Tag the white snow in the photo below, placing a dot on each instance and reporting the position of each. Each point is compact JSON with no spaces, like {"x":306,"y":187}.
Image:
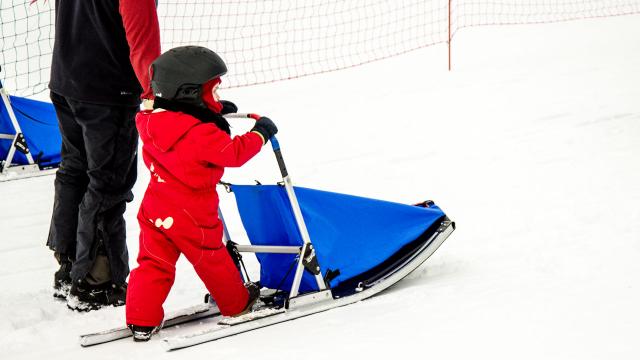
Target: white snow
{"x":530,"y":144}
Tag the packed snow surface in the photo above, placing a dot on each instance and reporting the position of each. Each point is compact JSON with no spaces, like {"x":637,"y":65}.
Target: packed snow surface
{"x":531,"y":144}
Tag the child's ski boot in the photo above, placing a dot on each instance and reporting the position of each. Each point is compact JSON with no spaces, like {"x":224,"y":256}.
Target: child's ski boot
{"x":254,"y":295}
{"x":142,"y":333}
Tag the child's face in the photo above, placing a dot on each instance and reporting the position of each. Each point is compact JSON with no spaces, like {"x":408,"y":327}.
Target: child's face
{"x":214,"y":92}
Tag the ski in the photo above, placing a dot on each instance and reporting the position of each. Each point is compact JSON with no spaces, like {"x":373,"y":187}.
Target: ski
{"x":254,"y":315}
{"x":176,"y":318}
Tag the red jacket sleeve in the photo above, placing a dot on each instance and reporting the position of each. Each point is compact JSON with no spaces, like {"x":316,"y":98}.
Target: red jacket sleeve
{"x":216,"y":147}
{"x":141,"y":26}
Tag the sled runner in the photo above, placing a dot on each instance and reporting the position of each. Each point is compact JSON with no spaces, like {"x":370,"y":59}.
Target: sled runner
{"x":320,"y":250}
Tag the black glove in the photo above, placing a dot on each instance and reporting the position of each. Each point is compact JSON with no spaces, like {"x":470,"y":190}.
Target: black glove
{"x":228,"y":107}
{"x":266,"y":128}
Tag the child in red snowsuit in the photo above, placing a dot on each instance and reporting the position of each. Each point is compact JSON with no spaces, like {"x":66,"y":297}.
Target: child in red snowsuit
{"x":186,"y":148}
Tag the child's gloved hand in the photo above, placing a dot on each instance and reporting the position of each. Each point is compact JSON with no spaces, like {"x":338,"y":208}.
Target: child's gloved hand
{"x":228,"y":107}
{"x":265,"y":128}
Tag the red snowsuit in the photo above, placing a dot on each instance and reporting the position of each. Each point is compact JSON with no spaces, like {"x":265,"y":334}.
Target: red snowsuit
{"x":179,"y":212}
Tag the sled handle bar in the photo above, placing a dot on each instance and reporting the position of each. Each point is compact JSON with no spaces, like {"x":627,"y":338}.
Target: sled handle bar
{"x":256,"y":117}
{"x":274,"y":141}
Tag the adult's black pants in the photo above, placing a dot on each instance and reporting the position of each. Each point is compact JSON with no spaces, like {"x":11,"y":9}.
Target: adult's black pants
{"x":93,"y":185}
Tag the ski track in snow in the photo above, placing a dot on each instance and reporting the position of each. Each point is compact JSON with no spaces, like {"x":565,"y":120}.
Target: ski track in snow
{"x":530,"y":145}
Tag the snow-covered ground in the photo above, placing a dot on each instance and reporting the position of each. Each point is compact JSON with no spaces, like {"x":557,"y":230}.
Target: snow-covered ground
{"x":531,"y":144}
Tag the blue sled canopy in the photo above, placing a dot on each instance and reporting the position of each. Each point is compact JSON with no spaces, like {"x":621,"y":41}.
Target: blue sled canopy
{"x":39,"y":125}
{"x":349,"y":233}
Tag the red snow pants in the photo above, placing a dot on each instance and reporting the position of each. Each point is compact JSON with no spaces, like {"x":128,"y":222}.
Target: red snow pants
{"x":165,"y":233}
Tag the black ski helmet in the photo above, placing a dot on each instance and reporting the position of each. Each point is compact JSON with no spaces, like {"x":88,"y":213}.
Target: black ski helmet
{"x":178,"y":74}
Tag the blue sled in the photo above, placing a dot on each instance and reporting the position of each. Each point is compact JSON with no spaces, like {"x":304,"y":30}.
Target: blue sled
{"x":38,"y":123}
{"x":357,"y":240}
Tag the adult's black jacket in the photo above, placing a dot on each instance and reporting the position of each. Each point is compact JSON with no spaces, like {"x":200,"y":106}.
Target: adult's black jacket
{"x":103,"y":48}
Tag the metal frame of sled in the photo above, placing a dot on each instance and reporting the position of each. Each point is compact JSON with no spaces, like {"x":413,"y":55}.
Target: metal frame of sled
{"x":306,"y":253}
{"x":9,"y":171}
{"x":315,"y":302}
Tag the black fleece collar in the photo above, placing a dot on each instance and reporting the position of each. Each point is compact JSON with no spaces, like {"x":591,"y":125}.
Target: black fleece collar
{"x":203,"y":114}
